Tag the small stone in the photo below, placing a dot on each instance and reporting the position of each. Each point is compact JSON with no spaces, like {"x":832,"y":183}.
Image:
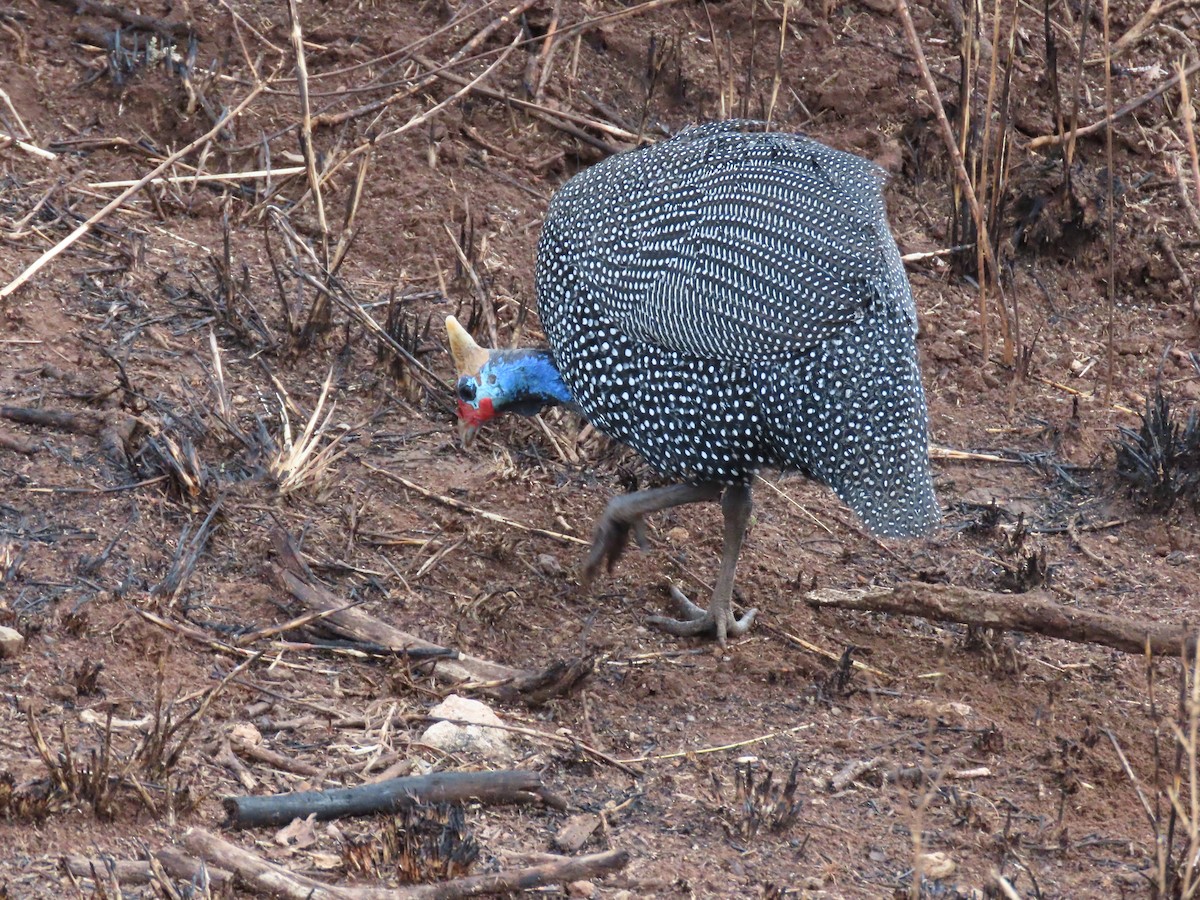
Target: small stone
{"x":478,"y":736}
{"x":949,"y":712}
{"x":575,"y":832}
{"x":246,"y":733}
{"x":936,"y":865}
{"x":581,"y":889}
{"x":678,"y":536}
{"x":11,"y":642}
{"x":548,"y":564}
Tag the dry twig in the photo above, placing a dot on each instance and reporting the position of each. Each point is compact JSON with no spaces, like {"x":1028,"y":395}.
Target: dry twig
{"x":1158,"y":9}
{"x":476,"y":511}
{"x":118,"y":201}
{"x":1053,"y":140}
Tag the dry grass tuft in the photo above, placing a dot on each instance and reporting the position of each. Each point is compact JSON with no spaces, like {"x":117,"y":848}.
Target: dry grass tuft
{"x":1161,"y":460}
{"x":298,"y":464}
{"x":420,"y":845}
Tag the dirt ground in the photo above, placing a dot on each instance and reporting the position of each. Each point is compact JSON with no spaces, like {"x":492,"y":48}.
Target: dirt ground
{"x":156,"y":374}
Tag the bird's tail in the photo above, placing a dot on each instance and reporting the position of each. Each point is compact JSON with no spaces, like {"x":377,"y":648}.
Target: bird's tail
{"x":856,"y":420}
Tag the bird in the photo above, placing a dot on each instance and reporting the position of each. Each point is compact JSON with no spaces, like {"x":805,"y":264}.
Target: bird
{"x":724,"y":301}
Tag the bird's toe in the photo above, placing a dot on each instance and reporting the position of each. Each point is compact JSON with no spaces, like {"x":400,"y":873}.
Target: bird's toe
{"x":717,"y":621}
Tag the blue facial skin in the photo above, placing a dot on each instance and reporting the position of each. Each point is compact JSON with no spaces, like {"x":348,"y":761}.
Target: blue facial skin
{"x":520,"y":381}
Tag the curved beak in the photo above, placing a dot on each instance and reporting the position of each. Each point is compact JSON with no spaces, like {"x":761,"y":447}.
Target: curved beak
{"x":466,"y":433}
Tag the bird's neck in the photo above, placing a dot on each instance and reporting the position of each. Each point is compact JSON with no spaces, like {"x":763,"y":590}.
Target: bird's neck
{"x":529,"y":380}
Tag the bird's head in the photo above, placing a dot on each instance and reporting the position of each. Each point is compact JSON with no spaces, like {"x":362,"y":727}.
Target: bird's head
{"x":474,"y":388}
{"x":490,"y":382}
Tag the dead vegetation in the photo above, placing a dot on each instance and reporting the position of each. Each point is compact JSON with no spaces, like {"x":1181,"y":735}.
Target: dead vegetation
{"x":1161,"y":460}
{"x":245,"y":554}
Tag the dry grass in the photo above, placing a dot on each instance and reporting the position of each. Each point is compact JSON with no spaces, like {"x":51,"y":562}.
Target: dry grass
{"x":305,"y":462}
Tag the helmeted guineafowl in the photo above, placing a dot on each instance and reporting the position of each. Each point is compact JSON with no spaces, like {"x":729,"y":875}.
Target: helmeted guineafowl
{"x":725,"y":301}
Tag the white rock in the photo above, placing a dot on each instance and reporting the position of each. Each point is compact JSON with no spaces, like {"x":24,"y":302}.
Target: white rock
{"x":11,"y":642}
{"x":477,"y":737}
{"x":936,"y":865}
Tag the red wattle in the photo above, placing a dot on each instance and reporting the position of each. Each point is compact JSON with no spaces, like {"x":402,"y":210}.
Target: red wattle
{"x":476,"y":417}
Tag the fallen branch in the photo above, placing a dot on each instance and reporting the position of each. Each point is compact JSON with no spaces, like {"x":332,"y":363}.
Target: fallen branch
{"x":563,"y":871}
{"x":1014,"y":612}
{"x":16,"y":445}
{"x":274,"y":879}
{"x":264,"y":876}
{"x":271,"y":758}
{"x":60,"y":420}
{"x":392,"y":795}
{"x":172,"y":31}
{"x":113,"y":428}
{"x":851,"y":772}
{"x":138,"y":871}
{"x":1053,"y":140}
{"x":465,"y":673}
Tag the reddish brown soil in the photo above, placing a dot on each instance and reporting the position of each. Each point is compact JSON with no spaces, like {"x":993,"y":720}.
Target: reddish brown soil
{"x":119,"y":326}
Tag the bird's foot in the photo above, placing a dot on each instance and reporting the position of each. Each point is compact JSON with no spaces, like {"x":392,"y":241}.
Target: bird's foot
{"x":609,"y":541}
{"x":718,"y":620}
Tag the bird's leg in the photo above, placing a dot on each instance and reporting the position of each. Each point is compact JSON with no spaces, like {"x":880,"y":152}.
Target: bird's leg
{"x":627,"y":513}
{"x":736,"y":504}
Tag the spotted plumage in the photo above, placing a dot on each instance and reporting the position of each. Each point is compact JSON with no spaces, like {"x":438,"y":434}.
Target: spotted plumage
{"x":725,"y":301}
{"x":730,"y":300}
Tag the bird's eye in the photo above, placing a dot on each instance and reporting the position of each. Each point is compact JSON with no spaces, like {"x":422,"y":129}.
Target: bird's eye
{"x":466,"y":389}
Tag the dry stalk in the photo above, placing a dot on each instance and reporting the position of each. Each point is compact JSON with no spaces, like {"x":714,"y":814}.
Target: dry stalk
{"x":306,"y":126}
{"x":1110,"y":288}
{"x":993,"y":165}
{"x":1187,"y":115}
{"x":25,"y":132}
{"x":349,"y":232}
{"x":210,"y":178}
{"x":224,"y":410}
{"x":1070,"y":138}
{"x":545,"y":59}
{"x":991,"y":273}
{"x":777,"y":76}
{"x":1184,"y":876}
{"x":486,"y":306}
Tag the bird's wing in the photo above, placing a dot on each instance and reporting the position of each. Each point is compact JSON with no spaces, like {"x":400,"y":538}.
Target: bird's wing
{"x":738,"y":246}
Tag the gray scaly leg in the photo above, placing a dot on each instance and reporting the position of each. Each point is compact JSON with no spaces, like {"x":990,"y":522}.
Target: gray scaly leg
{"x":736,"y":504}
{"x":627,"y":513}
